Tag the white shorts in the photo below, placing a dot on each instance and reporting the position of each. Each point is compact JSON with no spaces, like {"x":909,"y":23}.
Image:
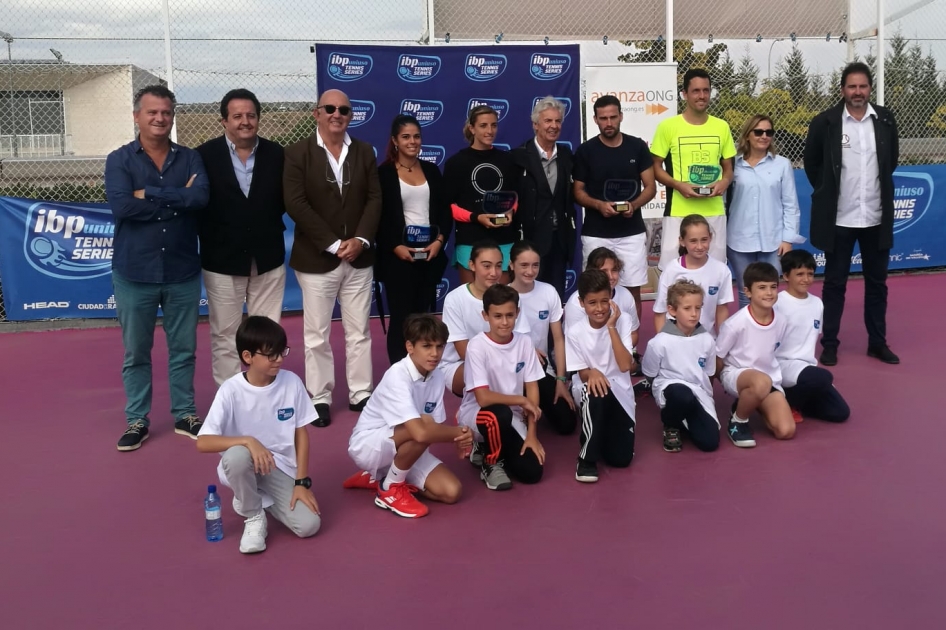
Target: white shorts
{"x":374,"y":451}
{"x":670,"y":239}
{"x":729,"y":376}
{"x":632,"y":250}
{"x":449,"y":371}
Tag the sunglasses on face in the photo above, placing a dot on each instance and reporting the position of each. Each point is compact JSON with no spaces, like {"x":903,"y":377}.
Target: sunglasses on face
{"x":758,"y":133}
{"x":344,"y":110}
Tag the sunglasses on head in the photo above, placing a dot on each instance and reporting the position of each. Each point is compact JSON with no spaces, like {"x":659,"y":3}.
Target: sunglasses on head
{"x":344,"y":110}
{"x":758,"y":132}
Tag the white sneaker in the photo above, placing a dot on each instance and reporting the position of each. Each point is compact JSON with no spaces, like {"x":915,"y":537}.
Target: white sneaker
{"x":254,"y":534}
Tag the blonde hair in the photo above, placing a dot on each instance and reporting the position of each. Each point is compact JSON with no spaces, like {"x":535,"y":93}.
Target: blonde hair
{"x":743,"y":146}
{"x":681,"y":288}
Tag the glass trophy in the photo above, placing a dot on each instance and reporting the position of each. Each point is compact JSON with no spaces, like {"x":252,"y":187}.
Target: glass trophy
{"x":620,"y":192}
{"x":496,"y":204}
{"x":703,"y":176}
{"x":417,"y":237}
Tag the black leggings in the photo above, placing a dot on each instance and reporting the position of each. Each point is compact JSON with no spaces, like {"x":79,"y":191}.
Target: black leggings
{"x":683,"y":405}
{"x":815,"y":396}
{"x":558,"y":415}
{"x":502,"y":443}
{"x":607,"y":432}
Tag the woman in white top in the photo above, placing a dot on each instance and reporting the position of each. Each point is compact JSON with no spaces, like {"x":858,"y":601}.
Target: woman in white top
{"x":541,"y":306}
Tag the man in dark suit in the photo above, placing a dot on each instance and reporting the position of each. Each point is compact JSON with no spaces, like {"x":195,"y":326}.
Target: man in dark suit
{"x":242,"y":251}
{"x":850,"y":156}
{"x":332,"y":193}
{"x":546,"y":208}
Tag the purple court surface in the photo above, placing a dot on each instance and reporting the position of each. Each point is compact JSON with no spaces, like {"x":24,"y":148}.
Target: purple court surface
{"x":842,"y":527}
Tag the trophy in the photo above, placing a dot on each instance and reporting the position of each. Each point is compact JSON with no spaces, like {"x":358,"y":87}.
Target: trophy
{"x":703,"y":176}
{"x":417,"y":237}
{"x":620,"y":192}
{"x":497,"y":203}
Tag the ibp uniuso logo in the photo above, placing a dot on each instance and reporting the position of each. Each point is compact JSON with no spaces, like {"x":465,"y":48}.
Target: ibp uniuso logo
{"x":433,"y":153}
{"x":502,"y":146}
{"x":426,"y":112}
{"x":548,"y":67}
{"x":417,"y":68}
{"x":443,"y":288}
{"x":500,"y":105}
{"x":361,"y":112}
{"x":564,"y":100}
{"x":484,"y":67}
{"x":349,"y":66}
{"x":62,"y":243}
{"x":912,"y":196}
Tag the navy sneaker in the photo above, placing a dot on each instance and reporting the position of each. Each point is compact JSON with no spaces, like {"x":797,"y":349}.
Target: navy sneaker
{"x":134,"y":435}
{"x":741,"y":434}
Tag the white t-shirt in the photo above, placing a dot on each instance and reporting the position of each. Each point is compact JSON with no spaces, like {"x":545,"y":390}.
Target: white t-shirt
{"x":744,"y":343}
{"x":416,"y":202}
{"x":540,"y":307}
{"x":714,"y":277}
{"x":802,"y":328}
{"x":463,"y":315}
{"x":673,"y":358}
{"x":590,"y":348}
{"x":621,"y":296}
{"x":403,"y":394}
{"x":503,"y":368}
{"x":271,"y":414}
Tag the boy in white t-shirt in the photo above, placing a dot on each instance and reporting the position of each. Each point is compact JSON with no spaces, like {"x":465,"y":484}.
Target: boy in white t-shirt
{"x":809,"y":389}
{"x":500,"y":365}
{"x":680,"y":359}
{"x":403,"y":417}
{"x":257,"y":421}
{"x":599,"y":350}
{"x":745,"y":351}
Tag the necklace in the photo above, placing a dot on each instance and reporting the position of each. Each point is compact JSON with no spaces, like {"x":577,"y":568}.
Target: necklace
{"x":410,"y":169}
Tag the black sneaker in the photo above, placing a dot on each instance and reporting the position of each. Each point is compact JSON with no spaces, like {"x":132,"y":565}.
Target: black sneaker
{"x":883,"y":353}
{"x":189,"y":425}
{"x":672,"y":441}
{"x":829,"y":357}
{"x":741,"y":434}
{"x":637,"y":365}
{"x":586,"y":472}
{"x":324,"y":415}
{"x":134,"y":435}
{"x":643,"y":389}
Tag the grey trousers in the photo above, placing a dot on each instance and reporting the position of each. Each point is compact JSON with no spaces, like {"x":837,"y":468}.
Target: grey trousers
{"x":247,"y":486}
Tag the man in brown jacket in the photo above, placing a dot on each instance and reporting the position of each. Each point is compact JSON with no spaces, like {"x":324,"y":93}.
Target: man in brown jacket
{"x":332,"y":193}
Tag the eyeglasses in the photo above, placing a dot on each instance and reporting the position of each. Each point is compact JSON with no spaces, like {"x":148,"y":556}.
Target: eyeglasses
{"x":330,"y":174}
{"x":344,"y":110}
{"x":758,"y":133}
{"x":274,"y":356}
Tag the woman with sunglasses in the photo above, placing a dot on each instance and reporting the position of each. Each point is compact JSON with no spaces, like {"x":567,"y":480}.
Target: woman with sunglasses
{"x":412,"y":194}
{"x":469,"y":175}
{"x":763,"y":211}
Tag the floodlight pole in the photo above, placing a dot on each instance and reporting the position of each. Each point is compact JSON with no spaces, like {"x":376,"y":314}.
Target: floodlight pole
{"x":430,"y":22}
{"x":168,"y":67}
{"x":880,"y":52}
{"x":669,"y":10}
{"x":9,"y":40}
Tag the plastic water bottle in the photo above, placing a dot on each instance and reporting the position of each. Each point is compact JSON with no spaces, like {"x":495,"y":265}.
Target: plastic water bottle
{"x":213,"y":515}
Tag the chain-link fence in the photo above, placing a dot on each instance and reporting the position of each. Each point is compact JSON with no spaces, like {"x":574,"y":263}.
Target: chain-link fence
{"x":69,"y":68}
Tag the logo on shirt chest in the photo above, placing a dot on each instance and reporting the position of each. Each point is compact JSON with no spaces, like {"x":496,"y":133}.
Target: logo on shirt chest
{"x":429,"y":407}
{"x":285,"y":414}
{"x":702,"y":362}
{"x":543,"y":314}
{"x":845,"y":141}
{"x":519,"y":366}
{"x":817,"y":324}
{"x":713,"y":290}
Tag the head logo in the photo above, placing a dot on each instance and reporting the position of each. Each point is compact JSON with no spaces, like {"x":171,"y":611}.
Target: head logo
{"x":62,"y":243}
{"x":433,"y":153}
{"x":519,"y":366}
{"x":426,"y":112}
{"x":285,"y":414}
{"x":485,"y":67}
{"x":348,"y":66}
{"x":713,"y":290}
{"x":429,"y":407}
{"x":571,"y":276}
{"x":817,"y":324}
{"x":564,"y":100}
{"x":417,"y":68}
{"x":702,"y":362}
{"x":443,"y":287}
{"x":361,"y":112}
{"x":543,"y":314}
{"x":912,"y":195}
{"x":500,"y":105}
{"x":548,"y":67}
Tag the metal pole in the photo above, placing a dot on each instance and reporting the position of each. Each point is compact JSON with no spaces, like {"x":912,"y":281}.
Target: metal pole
{"x":669,"y":9}
{"x":430,"y":22}
{"x":850,"y":29}
{"x":772,"y":45}
{"x":168,"y":68}
{"x":880,"y":52}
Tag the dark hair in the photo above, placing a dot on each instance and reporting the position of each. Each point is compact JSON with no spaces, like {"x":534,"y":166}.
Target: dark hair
{"x":759,"y":272}
{"x":154,"y":90}
{"x":258,"y":334}
{"x":239,"y":93}
{"x":481,"y":246}
{"x":680,"y":288}
{"x":599,"y":255}
{"x":857,"y":67}
{"x":499,"y":294}
{"x":424,"y":327}
{"x":695,"y":73}
{"x":591,"y":281}
{"x":518,"y":248}
{"x":471,"y":117}
{"x":689,"y":221}
{"x":400,"y":121}
{"x":605,"y":101}
{"x":796,"y":259}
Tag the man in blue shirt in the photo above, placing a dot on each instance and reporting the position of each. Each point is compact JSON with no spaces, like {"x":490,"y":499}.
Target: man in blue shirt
{"x":156,"y":189}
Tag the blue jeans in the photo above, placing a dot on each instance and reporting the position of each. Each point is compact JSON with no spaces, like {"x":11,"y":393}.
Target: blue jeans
{"x":137,"y":305}
{"x":740,"y":260}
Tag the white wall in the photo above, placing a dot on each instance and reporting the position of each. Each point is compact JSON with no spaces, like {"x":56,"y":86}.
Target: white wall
{"x":98,"y":114}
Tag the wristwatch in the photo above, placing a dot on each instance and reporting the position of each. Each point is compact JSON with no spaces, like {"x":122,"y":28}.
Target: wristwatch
{"x":305,"y":482}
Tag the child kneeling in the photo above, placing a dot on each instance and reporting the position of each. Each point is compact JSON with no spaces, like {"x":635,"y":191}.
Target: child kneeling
{"x":257,"y":420}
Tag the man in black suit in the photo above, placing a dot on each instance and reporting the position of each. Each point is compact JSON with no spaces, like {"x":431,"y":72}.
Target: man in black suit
{"x":546,"y":208}
{"x":242,"y":250}
{"x":851,"y":153}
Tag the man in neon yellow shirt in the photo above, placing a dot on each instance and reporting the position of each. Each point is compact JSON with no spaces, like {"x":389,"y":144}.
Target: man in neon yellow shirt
{"x":693,"y":154}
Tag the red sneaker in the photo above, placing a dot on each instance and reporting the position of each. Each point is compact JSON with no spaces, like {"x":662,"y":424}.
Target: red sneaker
{"x":361,"y":481}
{"x":797,"y":417}
{"x":400,"y":500}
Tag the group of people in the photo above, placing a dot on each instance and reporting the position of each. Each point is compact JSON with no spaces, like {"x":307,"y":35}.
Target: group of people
{"x":506,"y":344}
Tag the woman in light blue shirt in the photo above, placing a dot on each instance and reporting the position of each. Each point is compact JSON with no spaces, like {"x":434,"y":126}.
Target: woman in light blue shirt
{"x":763,"y":213}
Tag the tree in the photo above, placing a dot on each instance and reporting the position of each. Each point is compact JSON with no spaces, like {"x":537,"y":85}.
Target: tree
{"x":747,"y":75}
{"x":793,"y":75}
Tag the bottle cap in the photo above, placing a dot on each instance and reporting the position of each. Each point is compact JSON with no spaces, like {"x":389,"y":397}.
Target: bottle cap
{"x":211,"y":488}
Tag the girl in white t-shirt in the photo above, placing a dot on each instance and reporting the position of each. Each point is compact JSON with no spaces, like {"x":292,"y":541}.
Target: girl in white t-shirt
{"x":695,"y":264}
{"x":541,"y":306}
{"x":607,"y":261}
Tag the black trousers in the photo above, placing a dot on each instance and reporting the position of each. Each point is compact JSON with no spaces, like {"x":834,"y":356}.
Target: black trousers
{"x":838,"y":267}
{"x":553,"y":266}
{"x":816,"y":397}
{"x":607,"y":432}
{"x":502,"y":443}
{"x":682,"y":404}
{"x":558,"y":415}
{"x":409,"y":288}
